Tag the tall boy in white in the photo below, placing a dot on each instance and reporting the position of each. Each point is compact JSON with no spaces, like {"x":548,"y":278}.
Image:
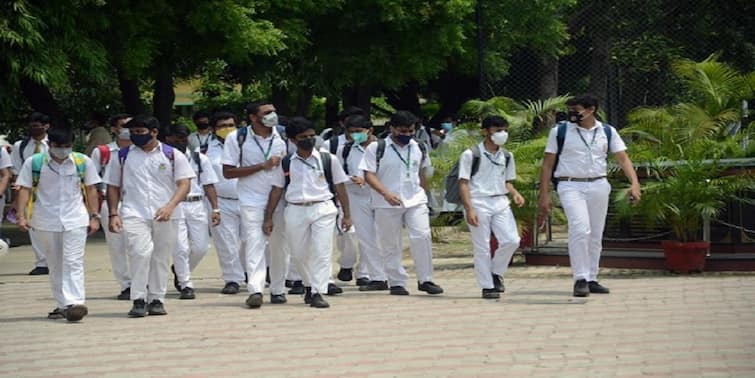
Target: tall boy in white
{"x":486,"y":206}
{"x":152,"y":179}
{"x":60,"y":215}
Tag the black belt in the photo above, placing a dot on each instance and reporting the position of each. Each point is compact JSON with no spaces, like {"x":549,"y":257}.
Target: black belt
{"x":228,"y":198}
{"x":581,"y":179}
{"x":194,"y":198}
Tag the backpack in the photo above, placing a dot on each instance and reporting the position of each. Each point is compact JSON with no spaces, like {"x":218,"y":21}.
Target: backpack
{"x":381,"y":151}
{"x":104,"y":156}
{"x":333,"y":144}
{"x":324,"y":159}
{"x":123,"y":154}
{"x":38,"y":160}
{"x":453,"y":195}
{"x":195,"y":156}
{"x":241,"y":138}
{"x":561,"y":137}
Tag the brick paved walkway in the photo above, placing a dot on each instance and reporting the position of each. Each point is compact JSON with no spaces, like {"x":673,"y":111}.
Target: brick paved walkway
{"x":653,"y":324}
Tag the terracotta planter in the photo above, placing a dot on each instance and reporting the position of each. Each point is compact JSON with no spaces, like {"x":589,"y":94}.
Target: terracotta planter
{"x":685,"y":257}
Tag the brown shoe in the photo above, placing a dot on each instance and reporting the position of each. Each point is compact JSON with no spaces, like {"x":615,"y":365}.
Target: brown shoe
{"x":76,"y":312}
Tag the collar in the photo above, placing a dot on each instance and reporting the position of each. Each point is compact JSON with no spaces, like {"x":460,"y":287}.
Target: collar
{"x":389,"y":141}
{"x":575,"y":126}
{"x":315,"y":155}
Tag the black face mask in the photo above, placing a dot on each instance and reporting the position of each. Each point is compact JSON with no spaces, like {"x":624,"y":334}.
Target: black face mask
{"x":574,"y":116}
{"x":306,"y":144}
{"x":203,"y":126}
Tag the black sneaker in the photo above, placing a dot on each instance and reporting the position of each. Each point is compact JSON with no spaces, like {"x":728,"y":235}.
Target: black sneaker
{"x":307,"y":295}
{"x":399,"y":290}
{"x":375,"y":286}
{"x":581,"y":289}
{"x":490,"y":294}
{"x":186,"y":293}
{"x":254,"y":300}
{"x":429,"y":287}
{"x":57,"y":313}
{"x":289,"y":283}
{"x":156,"y":308}
{"x":74,"y":313}
{"x":333,"y":289}
{"x":139,"y":309}
{"x":230,"y":288}
{"x":363,"y":281}
{"x":345,"y":274}
{"x":39,"y":271}
{"x":175,"y":278}
{"x":318,"y":301}
{"x":297,"y":288}
{"x":124,"y":295}
{"x":278,"y":298}
{"x":597,"y":288}
{"x":498,"y":283}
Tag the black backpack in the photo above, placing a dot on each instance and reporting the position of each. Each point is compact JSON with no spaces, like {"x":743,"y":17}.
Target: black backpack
{"x":453,"y":194}
{"x":324,"y":159}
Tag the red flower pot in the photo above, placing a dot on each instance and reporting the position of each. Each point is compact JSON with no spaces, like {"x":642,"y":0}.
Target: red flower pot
{"x":685,"y":257}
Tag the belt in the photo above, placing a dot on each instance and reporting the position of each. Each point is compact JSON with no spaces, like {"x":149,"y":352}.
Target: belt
{"x":581,"y":179}
{"x":194,"y":198}
{"x":228,"y":198}
{"x":305,"y":204}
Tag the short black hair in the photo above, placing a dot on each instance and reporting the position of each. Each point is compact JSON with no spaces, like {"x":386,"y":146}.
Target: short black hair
{"x":143,"y":120}
{"x":358,"y":121}
{"x":200,"y":114}
{"x":179,"y":129}
{"x":403,"y":118}
{"x":585,"y":100}
{"x":255,"y":106}
{"x":350,"y":111}
{"x":221,"y":115}
{"x":38,"y":117}
{"x":494,"y":121}
{"x":60,"y":135}
{"x":298,"y":125}
{"x":114,"y":119}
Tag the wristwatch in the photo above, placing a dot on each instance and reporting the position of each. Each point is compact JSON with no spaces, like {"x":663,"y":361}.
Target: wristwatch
{"x":94,"y":216}
{"x":216,"y":211}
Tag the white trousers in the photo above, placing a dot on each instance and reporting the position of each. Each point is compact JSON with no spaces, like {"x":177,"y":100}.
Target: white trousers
{"x":363,"y":216}
{"x":193,"y":241}
{"x":65,"y":255}
{"x":254,"y":250}
{"x":585,"y":205}
{"x":227,"y":237}
{"x":149,"y":245}
{"x":417,"y":221}
{"x":493,"y":214}
{"x":280,"y":255}
{"x":347,"y":245}
{"x":116,"y":246}
{"x":39,"y":255}
{"x":309,"y":230}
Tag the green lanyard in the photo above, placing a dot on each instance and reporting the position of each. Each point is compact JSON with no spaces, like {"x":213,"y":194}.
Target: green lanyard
{"x":408,"y":161}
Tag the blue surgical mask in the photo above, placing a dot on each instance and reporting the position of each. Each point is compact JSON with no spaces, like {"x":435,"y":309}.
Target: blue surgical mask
{"x":403,"y":139}
{"x":140,"y":140}
{"x":359,"y":138}
{"x":447,"y":126}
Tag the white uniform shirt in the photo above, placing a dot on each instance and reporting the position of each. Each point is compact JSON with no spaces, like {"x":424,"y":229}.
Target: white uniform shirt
{"x":226,"y":188}
{"x":15,"y":155}
{"x":583,"y":157}
{"x":196,"y":140}
{"x":149,"y":181}
{"x":4,"y":159}
{"x":59,"y":204}
{"x":308,"y":182}
{"x":207,"y":177}
{"x":254,"y":189}
{"x":352,"y":162}
{"x":492,"y":173}
{"x":396,"y":177}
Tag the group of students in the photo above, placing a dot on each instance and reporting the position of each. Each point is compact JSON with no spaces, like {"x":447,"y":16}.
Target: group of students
{"x":271,"y":201}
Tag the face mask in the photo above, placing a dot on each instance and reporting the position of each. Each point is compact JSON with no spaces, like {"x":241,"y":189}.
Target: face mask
{"x":203,"y":126}
{"x":140,"y":140}
{"x":60,"y":152}
{"x":124,"y":134}
{"x":270,"y":120}
{"x":306,"y":144}
{"x":447,"y":126}
{"x":359,"y":138}
{"x":223,"y":133}
{"x":37,"y":131}
{"x":403,"y":139}
{"x":574,"y":116}
{"x":500,"y":137}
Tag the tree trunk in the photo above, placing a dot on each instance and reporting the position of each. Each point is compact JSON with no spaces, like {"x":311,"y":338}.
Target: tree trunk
{"x":130,"y":95}
{"x":405,"y":98}
{"x":41,"y":100}
{"x":163,"y":97}
{"x":331,"y":111}
{"x":599,"y":66}
{"x":548,"y":77}
{"x":304,"y":101}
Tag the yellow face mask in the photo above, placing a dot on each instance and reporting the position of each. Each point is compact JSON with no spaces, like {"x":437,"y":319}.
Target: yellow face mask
{"x":223,"y":133}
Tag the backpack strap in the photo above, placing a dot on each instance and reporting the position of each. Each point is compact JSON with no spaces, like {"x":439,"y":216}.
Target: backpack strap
{"x":104,"y":156}
{"x":345,"y":155}
{"x":286,"y":165}
{"x":22,"y":147}
{"x":423,"y":150}
{"x":325,"y":160}
{"x":379,"y":153}
{"x":195,"y":156}
{"x":37,"y":161}
{"x":475,"y":160}
{"x":241,"y":138}
{"x":333,"y":144}
{"x":609,"y":133}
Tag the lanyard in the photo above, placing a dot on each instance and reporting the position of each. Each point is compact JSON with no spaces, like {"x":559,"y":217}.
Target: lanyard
{"x":408,"y":161}
{"x":592,"y":142}
{"x":269,"y":146}
{"x":206,"y":139}
{"x":314,"y":168}
{"x":489,"y":156}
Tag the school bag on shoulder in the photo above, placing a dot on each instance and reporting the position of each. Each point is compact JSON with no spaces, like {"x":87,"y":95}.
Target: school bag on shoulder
{"x":241,"y":134}
{"x":104,"y":156}
{"x":324,"y":159}
{"x":381,"y":151}
{"x":195,"y":156}
{"x":453,"y":194}
{"x":561,"y":137}
{"x":38,"y":160}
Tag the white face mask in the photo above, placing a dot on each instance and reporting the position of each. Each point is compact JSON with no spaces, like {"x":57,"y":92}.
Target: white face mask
{"x":270,"y":120}
{"x":60,"y":152}
{"x":124,"y":134}
{"x":500,"y":137}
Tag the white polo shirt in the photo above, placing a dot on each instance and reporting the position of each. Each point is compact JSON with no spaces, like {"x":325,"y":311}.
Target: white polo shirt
{"x":15,"y":155}
{"x":59,"y":205}
{"x":4,"y":159}
{"x":195,"y":140}
{"x":207,"y":177}
{"x":253,"y":190}
{"x":226,"y":188}
{"x":399,"y":172}
{"x":585,"y":150}
{"x":149,"y":181}
{"x":352,"y":162}
{"x":308,"y":182}
{"x":492,"y":173}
